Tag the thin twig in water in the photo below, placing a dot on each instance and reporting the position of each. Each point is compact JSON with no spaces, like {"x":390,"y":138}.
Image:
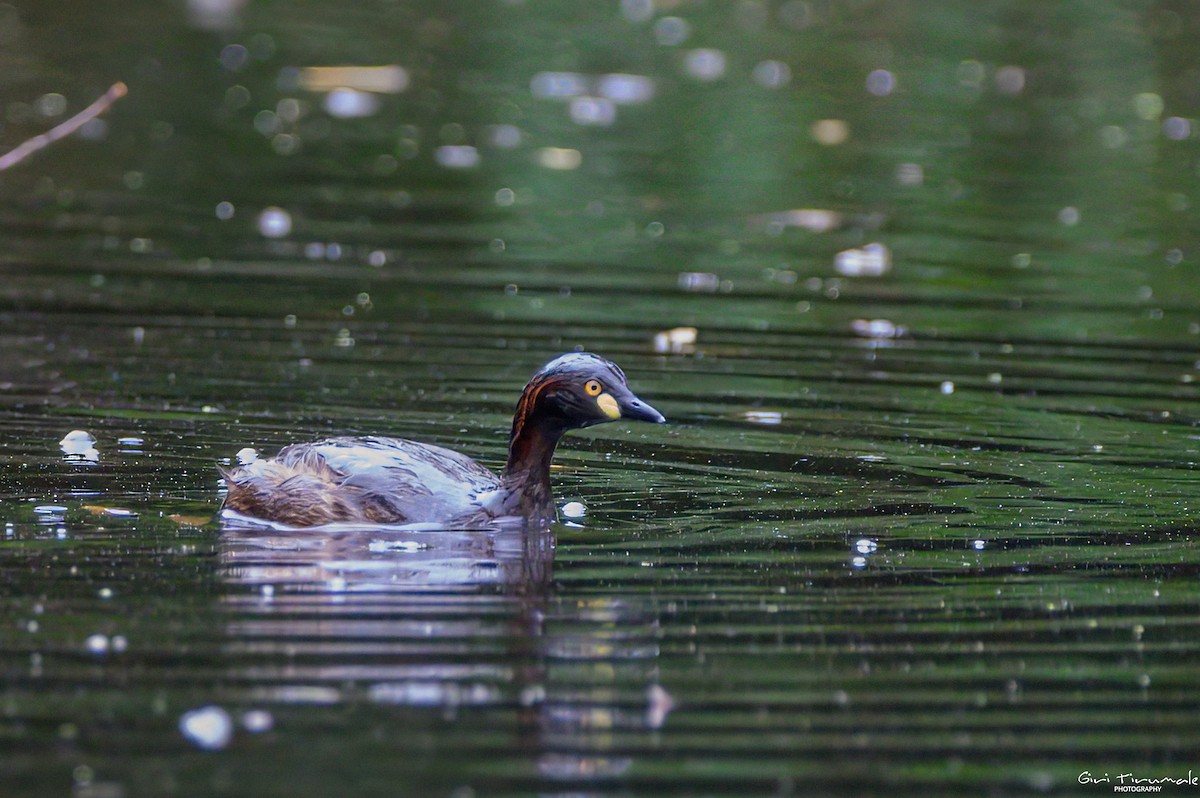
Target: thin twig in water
{"x":27,"y":148}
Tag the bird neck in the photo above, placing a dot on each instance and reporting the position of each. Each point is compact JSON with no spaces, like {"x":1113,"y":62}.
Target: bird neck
{"x":527,"y":472}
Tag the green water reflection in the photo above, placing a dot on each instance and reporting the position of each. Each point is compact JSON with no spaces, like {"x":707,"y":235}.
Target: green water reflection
{"x":914,"y":283}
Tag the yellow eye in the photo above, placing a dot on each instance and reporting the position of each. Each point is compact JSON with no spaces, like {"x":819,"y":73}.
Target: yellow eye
{"x":592,"y":387}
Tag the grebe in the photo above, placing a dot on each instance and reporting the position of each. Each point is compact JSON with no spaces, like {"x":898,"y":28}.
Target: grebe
{"x":396,"y":481}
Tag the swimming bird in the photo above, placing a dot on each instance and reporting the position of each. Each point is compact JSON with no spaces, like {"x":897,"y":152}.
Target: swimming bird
{"x":395,"y":481}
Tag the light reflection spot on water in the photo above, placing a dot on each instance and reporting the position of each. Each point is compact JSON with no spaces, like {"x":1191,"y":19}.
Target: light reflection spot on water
{"x":676,"y":341}
{"x":1010,"y":80}
{"x":1148,"y":105}
{"x":597,"y":111}
{"x":209,"y":728}
{"x":1177,"y":128}
{"x":672,"y":31}
{"x":558,"y":85}
{"x":702,"y":282}
{"x":51,"y":104}
{"x":234,"y":56}
{"x":881,"y":82}
{"x":830,"y":132}
{"x":947,"y":387}
{"x":910,"y":174}
{"x":346,"y":103}
{"x":772,"y":74}
{"x":767,"y":417}
{"x":504,"y":137}
{"x":559,"y":158}
{"x":457,"y":156}
{"x":705,"y":63}
{"x":274,"y":222}
{"x":637,"y":10}
{"x":872,"y":260}
{"x":866,"y":546}
{"x":257,"y":721}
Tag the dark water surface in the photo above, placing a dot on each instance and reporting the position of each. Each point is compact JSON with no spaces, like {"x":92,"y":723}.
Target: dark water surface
{"x":915,"y":285}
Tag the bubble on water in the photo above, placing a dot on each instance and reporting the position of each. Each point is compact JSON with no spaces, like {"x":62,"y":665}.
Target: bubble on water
{"x":947,"y":387}
{"x":574,"y":510}
{"x":209,"y":728}
{"x":274,"y":222}
{"x":96,"y":644}
{"x":225,"y":211}
{"x":866,"y":546}
{"x":79,"y":446}
{"x":1069,"y":216}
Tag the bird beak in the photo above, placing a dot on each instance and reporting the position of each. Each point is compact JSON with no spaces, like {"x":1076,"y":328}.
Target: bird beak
{"x":632,"y":407}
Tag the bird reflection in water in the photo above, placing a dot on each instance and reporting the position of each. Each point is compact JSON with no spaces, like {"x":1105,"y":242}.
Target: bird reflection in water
{"x":443,"y":620}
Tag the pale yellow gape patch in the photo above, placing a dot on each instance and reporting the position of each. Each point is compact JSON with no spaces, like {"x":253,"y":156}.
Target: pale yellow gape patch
{"x":609,"y":405}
